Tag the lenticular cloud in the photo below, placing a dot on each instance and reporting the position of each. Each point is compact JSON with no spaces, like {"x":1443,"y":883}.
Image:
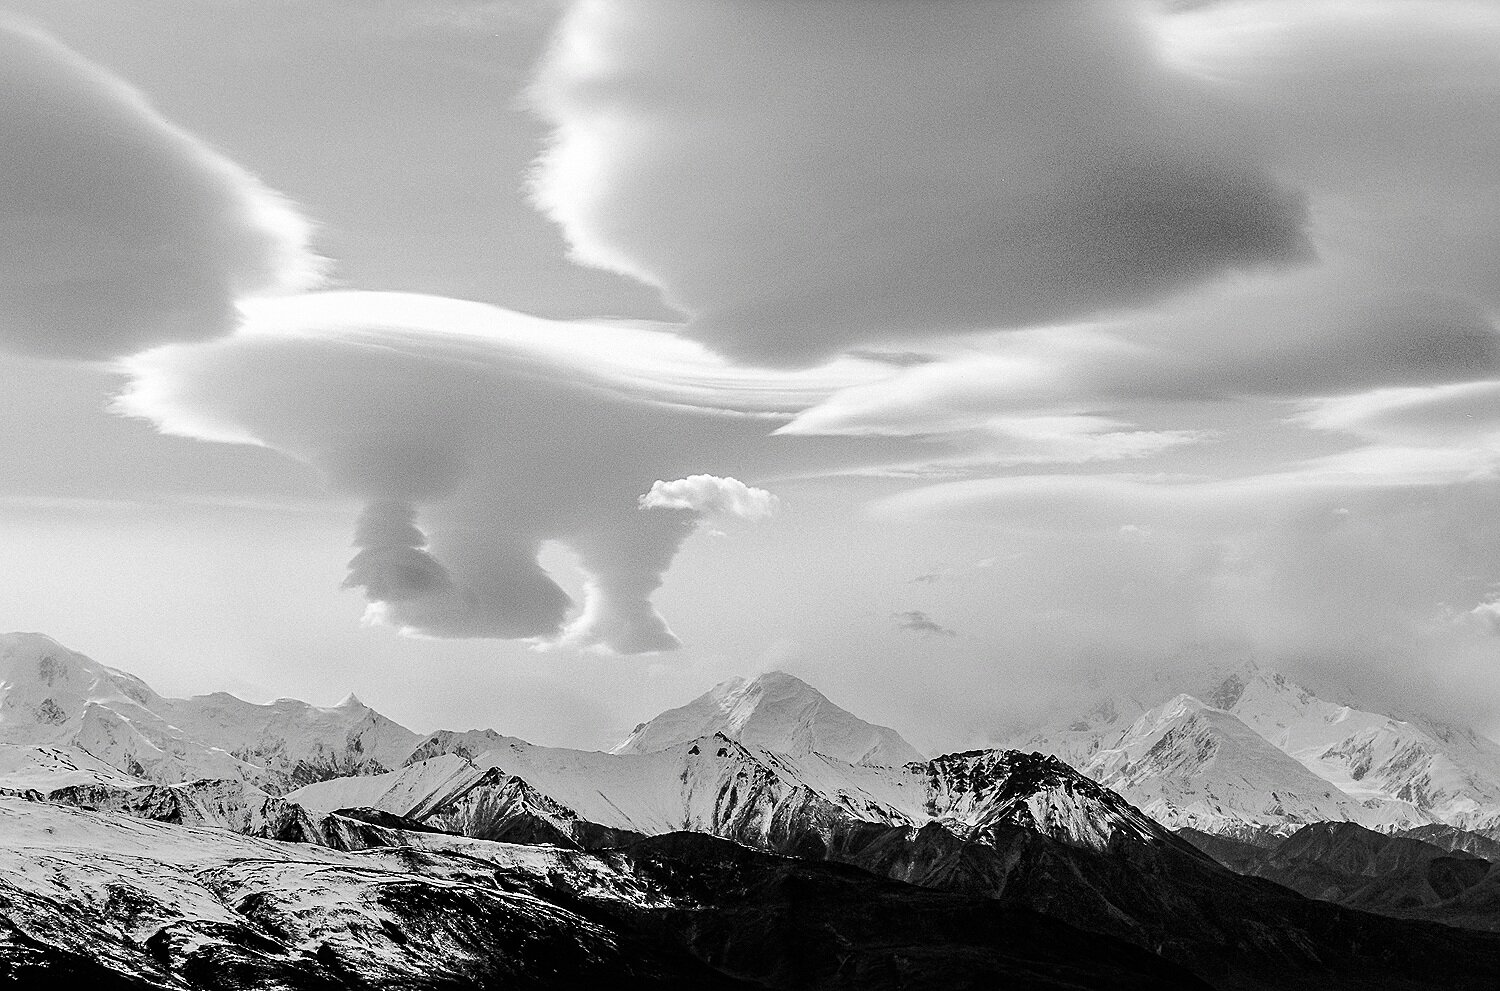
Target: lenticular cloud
{"x":118,"y":230}
{"x":473,"y":436}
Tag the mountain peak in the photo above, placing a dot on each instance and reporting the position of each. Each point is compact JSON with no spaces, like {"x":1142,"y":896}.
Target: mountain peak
{"x":770,"y":678}
{"x":53,"y":696}
{"x":776,"y":711}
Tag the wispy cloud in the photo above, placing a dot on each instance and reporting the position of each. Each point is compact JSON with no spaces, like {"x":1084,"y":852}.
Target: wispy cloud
{"x":919,"y":622}
{"x":120,"y":230}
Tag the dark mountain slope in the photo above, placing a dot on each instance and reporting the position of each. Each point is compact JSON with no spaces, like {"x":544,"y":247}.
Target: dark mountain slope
{"x":1376,"y":872}
{"x":793,"y":924}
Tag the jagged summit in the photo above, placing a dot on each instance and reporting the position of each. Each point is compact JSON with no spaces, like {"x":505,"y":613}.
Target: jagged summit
{"x":779,"y":712}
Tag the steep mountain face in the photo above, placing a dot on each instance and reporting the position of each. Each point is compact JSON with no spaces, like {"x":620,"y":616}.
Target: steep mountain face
{"x":1257,"y":754}
{"x":122,"y":903}
{"x":714,"y":785}
{"x":1448,"y":773}
{"x":777,"y":712}
{"x":1189,"y":764}
{"x":810,"y":804}
{"x":973,"y":794}
{"x":110,"y":724}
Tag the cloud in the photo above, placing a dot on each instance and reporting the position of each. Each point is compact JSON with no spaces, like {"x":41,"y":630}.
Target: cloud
{"x":712,"y":496}
{"x":474,"y":435}
{"x":1244,"y":249}
{"x":892,"y":171}
{"x":1487,"y":614}
{"x":1441,"y":415}
{"x":919,"y":622}
{"x":1311,"y":335}
{"x":1384,"y":111}
{"x":1402,"y":212}
{"x":117,"y":229}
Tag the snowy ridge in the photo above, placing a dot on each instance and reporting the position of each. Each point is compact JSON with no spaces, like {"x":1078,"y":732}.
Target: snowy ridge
{"x":720,"y":786}
{"x":111,"y":725}
{"x":987,"y":789}
{"x":775,"y":711}
{"x":713,"y":785}
{"x":44,"y":768}
{"x":176,"y":906}
{"x":1448,"y":773}
{"x":1189,"y":764}
{"x":1259,"y":754}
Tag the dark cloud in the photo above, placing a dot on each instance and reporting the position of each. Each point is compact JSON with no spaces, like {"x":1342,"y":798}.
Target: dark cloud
{"x":919,"y":622}
{"x":892,"y":170}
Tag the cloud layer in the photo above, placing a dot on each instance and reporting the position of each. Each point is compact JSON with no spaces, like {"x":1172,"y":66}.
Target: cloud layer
{"x":117,"y":230}
{"x":803,"y":177}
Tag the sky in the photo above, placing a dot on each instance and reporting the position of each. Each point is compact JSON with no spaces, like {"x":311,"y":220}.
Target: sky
{"x":536,"y":365}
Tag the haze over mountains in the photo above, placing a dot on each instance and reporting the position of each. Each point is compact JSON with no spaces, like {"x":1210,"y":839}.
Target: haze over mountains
{"x":1259,"y":753}
{"x":651,"y":865}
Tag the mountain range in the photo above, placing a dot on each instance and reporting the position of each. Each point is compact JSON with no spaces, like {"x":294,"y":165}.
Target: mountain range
{"x":209,"y":842}
{"x":67,"y":719}
{"x":1257,"y":754}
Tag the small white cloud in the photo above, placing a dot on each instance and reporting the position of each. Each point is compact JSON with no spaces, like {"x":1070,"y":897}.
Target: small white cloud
{"x":713,"y":496}
{"x":1487,"y":614}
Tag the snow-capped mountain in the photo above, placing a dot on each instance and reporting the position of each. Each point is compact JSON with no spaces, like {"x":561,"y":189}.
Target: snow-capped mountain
{"x":777,"y":712}
{"x":1021,"y":829}
{"x":1447,"y":772}
{"x":484,"y":784}
{"x":412,"y":877}
{"x":97,"y":900}
{"x":113,"y":902}
{"x":1188,"y":764}
{"x":99,"y":725}
{"x":1257,"y":753}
